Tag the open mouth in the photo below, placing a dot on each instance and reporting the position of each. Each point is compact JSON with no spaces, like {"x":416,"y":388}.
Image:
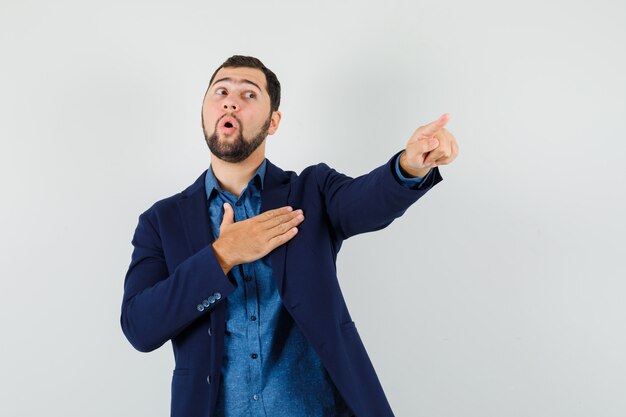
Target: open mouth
{"x":228,"y":125}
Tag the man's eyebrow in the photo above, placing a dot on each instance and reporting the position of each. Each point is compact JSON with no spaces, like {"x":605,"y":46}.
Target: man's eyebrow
{"x":242,"y":81}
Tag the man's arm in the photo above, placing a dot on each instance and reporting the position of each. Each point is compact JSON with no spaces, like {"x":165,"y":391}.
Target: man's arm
{"x":157,"y":305}
{"x":369,"y":202}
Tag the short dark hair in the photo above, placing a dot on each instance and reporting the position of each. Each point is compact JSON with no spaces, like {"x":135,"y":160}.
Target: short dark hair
{"x":273,"y":85}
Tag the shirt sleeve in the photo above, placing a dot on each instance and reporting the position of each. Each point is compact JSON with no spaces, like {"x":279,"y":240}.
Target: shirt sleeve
{"x":413,"y":182}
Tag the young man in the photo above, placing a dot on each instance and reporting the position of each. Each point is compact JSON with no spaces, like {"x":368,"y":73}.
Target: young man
{"x":238,"y":270}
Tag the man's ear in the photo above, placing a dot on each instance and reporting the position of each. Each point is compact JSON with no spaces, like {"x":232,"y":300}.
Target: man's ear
{"x":274,"y":122}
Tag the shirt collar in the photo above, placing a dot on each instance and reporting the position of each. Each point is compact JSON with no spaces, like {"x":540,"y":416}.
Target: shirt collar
{"x":211,"y":183}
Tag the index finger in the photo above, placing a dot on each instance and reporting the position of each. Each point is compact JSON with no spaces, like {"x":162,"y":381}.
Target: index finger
{"x":276,"y":212}
{"x":432,"y":127}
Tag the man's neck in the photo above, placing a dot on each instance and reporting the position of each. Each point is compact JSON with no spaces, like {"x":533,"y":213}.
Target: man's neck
{"x":234,"y":177}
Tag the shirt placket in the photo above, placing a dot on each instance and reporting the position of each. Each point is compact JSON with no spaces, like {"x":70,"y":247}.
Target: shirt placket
{"x":248,"y":272}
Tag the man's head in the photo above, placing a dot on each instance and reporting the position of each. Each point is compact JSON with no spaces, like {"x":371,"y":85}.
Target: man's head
{"x":240,"y":108}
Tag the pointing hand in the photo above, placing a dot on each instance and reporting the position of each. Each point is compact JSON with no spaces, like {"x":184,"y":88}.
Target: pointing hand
{"x":430,"y":145}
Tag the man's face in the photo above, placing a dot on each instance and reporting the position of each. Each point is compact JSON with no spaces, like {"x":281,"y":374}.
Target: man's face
{"x":236,"y":115}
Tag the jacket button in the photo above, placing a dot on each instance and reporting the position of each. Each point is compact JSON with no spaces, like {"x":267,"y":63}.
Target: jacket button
{"x":211,"y":299}
{"x":217,"y":295}
{"x":200,"y":307}
{"x":205,"y":303}
{"x":210,"y":331}
{"x":208,"y":379}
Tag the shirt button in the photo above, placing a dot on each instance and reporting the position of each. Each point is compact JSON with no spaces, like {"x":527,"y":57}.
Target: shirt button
{"x":253,"y":318}
{"x":254,"y":356}
{"x":255,"y":397}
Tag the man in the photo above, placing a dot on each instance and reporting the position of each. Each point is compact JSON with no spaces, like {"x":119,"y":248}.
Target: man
{"x":238,"y":270}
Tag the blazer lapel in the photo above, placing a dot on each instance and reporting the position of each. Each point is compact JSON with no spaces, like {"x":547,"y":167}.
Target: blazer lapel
{"x":194,"y":211}
{"x":276,"y":187}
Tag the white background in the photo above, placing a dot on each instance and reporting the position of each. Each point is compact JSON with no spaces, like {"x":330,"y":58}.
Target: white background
{"x":500,"y":293}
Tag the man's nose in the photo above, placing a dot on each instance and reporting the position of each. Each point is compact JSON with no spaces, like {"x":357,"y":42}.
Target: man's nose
{"x":230,"y":106}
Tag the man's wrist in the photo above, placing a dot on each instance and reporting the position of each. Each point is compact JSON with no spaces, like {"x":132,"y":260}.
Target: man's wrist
{"x":409,"y":172}
{"x":219,"y":254}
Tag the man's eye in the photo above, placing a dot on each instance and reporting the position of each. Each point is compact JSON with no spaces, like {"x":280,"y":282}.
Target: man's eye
{"x":219,"y":89}
{"x":250,"y":94}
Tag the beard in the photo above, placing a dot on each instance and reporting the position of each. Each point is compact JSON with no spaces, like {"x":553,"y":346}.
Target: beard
{"x":239,"y":149}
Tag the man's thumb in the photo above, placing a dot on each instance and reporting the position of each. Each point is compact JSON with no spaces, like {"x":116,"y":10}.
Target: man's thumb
{"x":228,"y":215}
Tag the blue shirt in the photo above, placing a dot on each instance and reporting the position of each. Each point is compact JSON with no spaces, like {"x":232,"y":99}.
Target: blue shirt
{"x":269,"y":368}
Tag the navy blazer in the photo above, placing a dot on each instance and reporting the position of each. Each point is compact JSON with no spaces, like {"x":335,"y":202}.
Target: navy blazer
{"x":173,"y":269}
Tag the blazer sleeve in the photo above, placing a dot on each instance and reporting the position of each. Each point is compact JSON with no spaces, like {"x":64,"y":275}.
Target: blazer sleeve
{"x":158,"y":305}
{"x":369,"y":202}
